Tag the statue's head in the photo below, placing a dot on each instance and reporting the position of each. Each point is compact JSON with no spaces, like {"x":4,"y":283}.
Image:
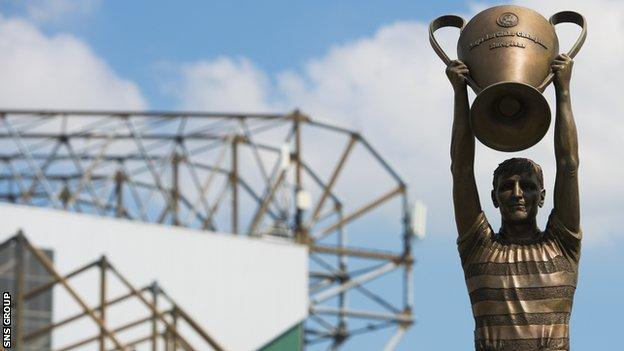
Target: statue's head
{"x":518,"y":189}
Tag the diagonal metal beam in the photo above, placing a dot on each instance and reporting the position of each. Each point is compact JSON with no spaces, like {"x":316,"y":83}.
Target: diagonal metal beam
{"x":47,"y":264}
{"x":141,"y":147}
{"x":41,"y":288}
{"x":363,"y":314}
{"x":160,"y":315}
{"x":267,"y":199}
{"x":16,"y":175}
{"x":203,"y":190}
{"x":86,"y":178}
{"x":89,"y":340}
{"x":395,"y":339}
{"x":359,"y":212}
{"x":332,"y":180}
{"x":254,"y":148}
{"x":362,"y":253}
{"x":350,"y":283}
{"x":86,"y":174}
{"x":33,"y":167}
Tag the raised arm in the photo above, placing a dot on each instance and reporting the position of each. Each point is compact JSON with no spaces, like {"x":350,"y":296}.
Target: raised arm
{"x":566,"y":196}
{"x":465,"y":195}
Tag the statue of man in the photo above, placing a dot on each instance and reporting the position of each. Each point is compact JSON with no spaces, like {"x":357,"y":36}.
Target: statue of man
{"x":521,"y":280}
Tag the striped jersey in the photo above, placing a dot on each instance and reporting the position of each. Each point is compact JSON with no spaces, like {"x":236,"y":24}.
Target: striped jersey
{"x":521,"y":294}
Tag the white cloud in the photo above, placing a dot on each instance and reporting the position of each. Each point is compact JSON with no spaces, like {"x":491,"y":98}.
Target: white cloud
{"x":45,"y":11}
{"x":392,"y":87}
{"x":40,"y":71}
{"x":223,"y":84}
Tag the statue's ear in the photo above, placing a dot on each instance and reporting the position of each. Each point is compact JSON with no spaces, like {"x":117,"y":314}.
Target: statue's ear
{"x":542,"y":197}
{"x":494,"y":199}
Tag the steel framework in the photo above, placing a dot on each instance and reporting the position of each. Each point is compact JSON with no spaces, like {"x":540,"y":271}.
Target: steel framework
{"x":246,"y":174}
{"x":169,"y":325}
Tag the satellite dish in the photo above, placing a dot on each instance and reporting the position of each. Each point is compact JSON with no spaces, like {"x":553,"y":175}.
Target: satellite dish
{"x":419,"y":219}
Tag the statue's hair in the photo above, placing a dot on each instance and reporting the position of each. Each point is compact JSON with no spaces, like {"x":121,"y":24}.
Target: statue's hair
{"x":517,"y":165}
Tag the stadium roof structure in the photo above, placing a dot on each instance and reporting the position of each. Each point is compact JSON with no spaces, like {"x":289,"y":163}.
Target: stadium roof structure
{"x":285,"y":175}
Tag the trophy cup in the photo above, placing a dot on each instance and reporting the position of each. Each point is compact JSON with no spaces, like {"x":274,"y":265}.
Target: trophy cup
{"x":508,"y":50}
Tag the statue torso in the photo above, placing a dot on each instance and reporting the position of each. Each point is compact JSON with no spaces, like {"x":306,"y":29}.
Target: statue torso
{"x":521,"y":294}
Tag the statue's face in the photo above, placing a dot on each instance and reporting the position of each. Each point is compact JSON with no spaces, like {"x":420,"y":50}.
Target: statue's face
{"x":518,"y":197}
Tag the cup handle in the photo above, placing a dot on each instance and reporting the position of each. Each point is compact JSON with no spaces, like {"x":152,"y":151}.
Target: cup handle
{"x":448,"y":21}
{"x":567,"y":17}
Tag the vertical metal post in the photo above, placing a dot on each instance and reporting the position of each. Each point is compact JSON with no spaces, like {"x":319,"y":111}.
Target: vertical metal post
{"x":12,"y":186}
{"x":175,"y":161}
{"x":407,"y":256}
{"x":409,"y":284}
{"x":234,"y":185}
{"x":19,"y":290}
{"x":103,"y":268}
{"x":119,"y":180}
{"x":341,"y":332}
{"x":167,"y":337}
{"x":175,"y":328}
{"x":65,"y":195}
{"x":299,"y":235}
{"x":154,"y":291}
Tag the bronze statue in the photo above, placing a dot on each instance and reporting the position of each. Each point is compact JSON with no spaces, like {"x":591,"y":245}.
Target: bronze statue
{"x":521,"y":280}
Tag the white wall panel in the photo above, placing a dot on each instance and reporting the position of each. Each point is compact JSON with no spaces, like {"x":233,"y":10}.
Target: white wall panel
{"x":243,"y":291}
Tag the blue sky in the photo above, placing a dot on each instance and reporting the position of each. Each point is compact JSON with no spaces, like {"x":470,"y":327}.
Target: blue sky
{"x":279,"y":54}
{"x":137,"y":38}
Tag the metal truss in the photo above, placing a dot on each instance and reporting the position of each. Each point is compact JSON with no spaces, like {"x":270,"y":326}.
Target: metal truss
{"x":246,"y":174}
{"x":169,"y":327}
